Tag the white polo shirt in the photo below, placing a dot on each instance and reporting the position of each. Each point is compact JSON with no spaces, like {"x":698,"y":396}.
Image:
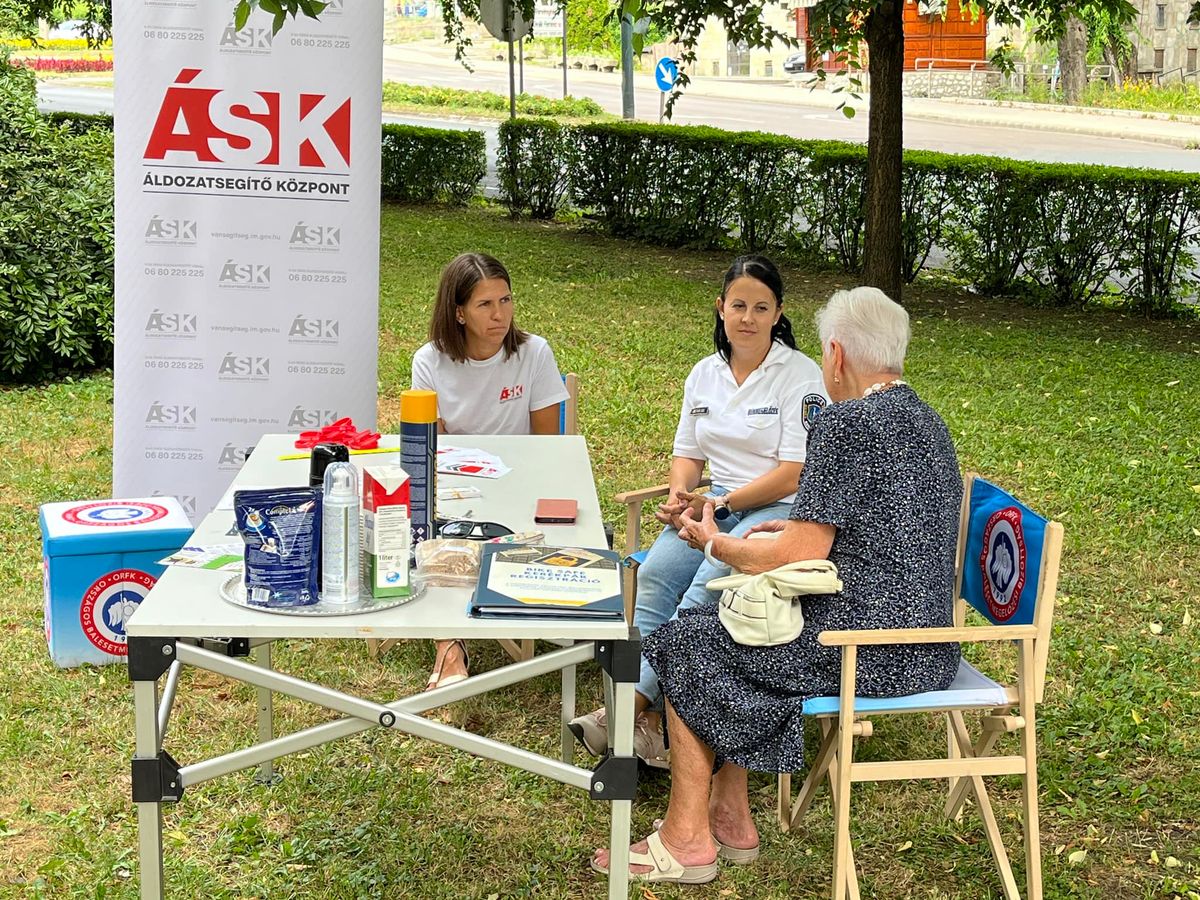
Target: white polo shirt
{"x":494,"y":395}
{"x":745,"y":432}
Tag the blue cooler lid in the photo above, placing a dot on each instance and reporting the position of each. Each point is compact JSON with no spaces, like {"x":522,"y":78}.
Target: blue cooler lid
{"x":80,"y":527}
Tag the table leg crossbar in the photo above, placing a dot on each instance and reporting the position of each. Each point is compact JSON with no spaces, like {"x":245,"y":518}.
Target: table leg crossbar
{"x":157,"y":778}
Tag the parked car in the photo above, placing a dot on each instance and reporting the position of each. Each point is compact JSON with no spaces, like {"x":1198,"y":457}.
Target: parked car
{"x":796,"y":62}
{"x":68,"y":30}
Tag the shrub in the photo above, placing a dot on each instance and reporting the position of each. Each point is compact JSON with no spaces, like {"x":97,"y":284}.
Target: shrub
{"x":80,"y":123}
{"x":1162,"y":214}
{"x":1078,"y":231}
{"x":56,"y":274}
{"x":455,"y":98}
{"x":993,"y":202}
{"x":424,"y":165}
{"x":1060,"y":231}
{"x":533,"y":165}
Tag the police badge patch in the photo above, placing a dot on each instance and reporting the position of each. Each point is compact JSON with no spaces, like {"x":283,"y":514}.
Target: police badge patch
{"x":811,"y":405}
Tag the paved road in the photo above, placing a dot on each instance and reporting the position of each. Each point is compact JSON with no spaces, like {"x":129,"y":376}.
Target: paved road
{"x":798,"y":119}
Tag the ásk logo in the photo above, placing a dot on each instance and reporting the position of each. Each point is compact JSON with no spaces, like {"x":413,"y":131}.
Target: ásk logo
{"x":244,"y":276}
{"x":231,"y":457}
{"x":187,"y":501}
{"x":107,"y":606}
{"x":236,"y":367}
{"x":114,"y":514}
{"x":251,"y":39}
{"x":306,"y":330}
{"x":171,"y":325}
{"x":242,"y":127}
{"x":171,"y":416}
{"x":171,"y":232}
{"x":319,"y":238}
{"x":312,"y":418}
{"x":1003,"y":563}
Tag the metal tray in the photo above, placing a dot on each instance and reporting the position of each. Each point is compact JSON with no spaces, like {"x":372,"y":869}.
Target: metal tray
{"x":234,"y":591}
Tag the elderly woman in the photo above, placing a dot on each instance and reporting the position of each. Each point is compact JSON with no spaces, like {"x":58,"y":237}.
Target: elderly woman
{"x":879,"y":496}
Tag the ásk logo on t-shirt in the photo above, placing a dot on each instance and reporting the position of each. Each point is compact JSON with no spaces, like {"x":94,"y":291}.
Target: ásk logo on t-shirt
{"x":114,"y":514}
{"x":107,"y":606}
{"x":1003,"y":562}
{"x":512,"y":393}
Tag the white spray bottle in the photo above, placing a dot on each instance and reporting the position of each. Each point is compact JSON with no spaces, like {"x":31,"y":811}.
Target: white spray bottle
{"x":339,"y":534}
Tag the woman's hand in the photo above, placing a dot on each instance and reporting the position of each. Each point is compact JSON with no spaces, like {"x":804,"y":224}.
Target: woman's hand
{"x":772,"y":527}
{"x":668,"y":513}
{"x":698,"y":531}
{"x":693,"y":501}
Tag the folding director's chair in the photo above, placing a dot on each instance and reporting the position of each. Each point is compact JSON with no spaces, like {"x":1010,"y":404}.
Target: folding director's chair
{"x":1007,"y":570}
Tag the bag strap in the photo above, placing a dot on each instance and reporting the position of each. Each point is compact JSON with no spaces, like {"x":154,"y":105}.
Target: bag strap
{"x":808,"y":576}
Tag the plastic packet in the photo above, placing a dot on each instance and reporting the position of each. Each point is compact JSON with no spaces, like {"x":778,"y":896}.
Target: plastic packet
{"x":447,"y":562}
{"x":281,"y":528}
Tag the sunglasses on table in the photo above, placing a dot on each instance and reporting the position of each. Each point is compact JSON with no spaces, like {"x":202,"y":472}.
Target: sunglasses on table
{"x":471,"y":530}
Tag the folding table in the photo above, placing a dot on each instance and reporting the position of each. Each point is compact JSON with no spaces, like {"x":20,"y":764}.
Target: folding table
{"x":185,"y":621}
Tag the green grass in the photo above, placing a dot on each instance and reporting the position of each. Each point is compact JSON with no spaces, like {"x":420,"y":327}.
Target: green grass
{"x":398,"y":97}
{"x":1133,"y":95}
{"x":1091,"y":419}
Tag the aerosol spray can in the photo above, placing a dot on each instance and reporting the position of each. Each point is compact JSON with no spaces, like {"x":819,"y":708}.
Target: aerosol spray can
{"x":418,"y":456}
{"x":339,"y":534}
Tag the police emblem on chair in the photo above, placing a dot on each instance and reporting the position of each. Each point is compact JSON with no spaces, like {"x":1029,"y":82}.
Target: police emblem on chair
{"x":1003,"y":562}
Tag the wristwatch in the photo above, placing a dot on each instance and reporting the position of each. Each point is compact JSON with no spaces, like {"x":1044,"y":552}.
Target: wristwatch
{"x":721,"y":508}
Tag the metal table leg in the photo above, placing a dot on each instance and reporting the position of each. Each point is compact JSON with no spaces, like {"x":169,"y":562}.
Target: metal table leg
{"x":266,"y":715}
{"x":150,"y":829}
{"x":568,"y":713}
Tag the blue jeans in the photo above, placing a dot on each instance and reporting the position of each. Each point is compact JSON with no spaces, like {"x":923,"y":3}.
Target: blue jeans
{"x":674,"y":576}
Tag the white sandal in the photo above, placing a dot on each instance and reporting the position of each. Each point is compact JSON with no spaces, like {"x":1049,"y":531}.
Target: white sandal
{"x":664,"y":866}
{"x":435,"y":678}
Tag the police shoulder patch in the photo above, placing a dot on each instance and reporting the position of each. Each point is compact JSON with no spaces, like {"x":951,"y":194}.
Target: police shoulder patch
{"x":810,"y":406}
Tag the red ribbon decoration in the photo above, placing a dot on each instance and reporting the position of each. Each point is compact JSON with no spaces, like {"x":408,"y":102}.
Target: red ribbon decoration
{"x":340,"y":432}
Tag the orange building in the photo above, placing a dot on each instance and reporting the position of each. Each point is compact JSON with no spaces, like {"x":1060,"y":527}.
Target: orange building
{"x":933,"y":29}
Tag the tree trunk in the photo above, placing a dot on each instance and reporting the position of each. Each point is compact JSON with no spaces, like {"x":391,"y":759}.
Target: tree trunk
{"x":883,"y":253}
{"x":1072,"y":58}
{"x":1110,"y":57}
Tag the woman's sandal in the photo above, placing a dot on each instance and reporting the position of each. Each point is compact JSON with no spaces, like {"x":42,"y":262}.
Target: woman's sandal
{"x":435,"y":678}
{"x":664,"y":866}
{"x":736,"y":855}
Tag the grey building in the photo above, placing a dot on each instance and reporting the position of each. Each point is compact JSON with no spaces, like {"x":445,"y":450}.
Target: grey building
{"x":1164,"y":43}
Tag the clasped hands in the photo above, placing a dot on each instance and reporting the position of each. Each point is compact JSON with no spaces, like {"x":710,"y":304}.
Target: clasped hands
{"x":692,"y":515}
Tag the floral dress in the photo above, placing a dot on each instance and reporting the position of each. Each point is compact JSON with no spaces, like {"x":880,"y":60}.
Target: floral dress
{"x":882,"y":470}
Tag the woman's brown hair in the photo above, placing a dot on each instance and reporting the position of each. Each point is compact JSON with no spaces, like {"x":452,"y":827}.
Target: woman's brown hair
{"x":459,"y":279}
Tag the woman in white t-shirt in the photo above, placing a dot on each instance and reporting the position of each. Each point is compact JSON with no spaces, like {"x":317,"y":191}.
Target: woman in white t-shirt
{"x":490,"y":376}
{"x":746,"y":412}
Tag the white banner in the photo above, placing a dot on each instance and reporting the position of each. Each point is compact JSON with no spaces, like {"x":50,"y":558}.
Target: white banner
{"x":247,"y":235}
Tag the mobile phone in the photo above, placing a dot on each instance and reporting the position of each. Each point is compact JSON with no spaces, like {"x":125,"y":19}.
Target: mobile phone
{"x":556,"y":512}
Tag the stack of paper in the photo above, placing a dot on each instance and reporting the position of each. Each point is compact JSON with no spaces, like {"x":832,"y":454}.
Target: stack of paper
{"x":470,"y":461}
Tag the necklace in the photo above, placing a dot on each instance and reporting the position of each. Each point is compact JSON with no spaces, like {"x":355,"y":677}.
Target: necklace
{"x":882,"y":385}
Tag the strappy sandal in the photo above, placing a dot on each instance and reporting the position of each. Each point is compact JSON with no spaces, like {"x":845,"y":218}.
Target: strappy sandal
{"x":664,"y":866}
{"x":435,"y":678}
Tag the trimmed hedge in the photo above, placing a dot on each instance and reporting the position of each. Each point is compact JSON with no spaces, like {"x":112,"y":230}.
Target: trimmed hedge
{"x":80,"y":123}
{"x":431,"y":165}
{"x":456,"y":98}
{"x":1063,"y":234}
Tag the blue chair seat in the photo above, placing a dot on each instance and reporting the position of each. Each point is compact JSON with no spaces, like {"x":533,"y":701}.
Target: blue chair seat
{"x":970,"y":688}
{"x":637,"y":558}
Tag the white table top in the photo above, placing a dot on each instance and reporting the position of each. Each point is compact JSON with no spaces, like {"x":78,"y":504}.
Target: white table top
{"x":187,"y":602}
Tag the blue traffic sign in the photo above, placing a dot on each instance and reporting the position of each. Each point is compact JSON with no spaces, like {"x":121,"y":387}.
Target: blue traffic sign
{"x":665,"y":74}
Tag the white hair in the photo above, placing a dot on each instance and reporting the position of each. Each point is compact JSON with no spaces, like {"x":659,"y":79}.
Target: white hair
{"x":871,"y":327}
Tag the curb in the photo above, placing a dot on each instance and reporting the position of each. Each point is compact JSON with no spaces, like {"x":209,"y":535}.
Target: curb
{"x":1181,"y":142}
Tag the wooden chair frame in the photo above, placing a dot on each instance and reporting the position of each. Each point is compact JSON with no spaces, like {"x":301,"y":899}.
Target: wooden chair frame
{"x":634,"y":502}
{"x":968,"y":761}
{"x":518,"y":650}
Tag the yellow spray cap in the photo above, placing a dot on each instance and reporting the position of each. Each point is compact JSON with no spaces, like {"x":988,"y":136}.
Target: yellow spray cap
{"x":418,"y":406}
